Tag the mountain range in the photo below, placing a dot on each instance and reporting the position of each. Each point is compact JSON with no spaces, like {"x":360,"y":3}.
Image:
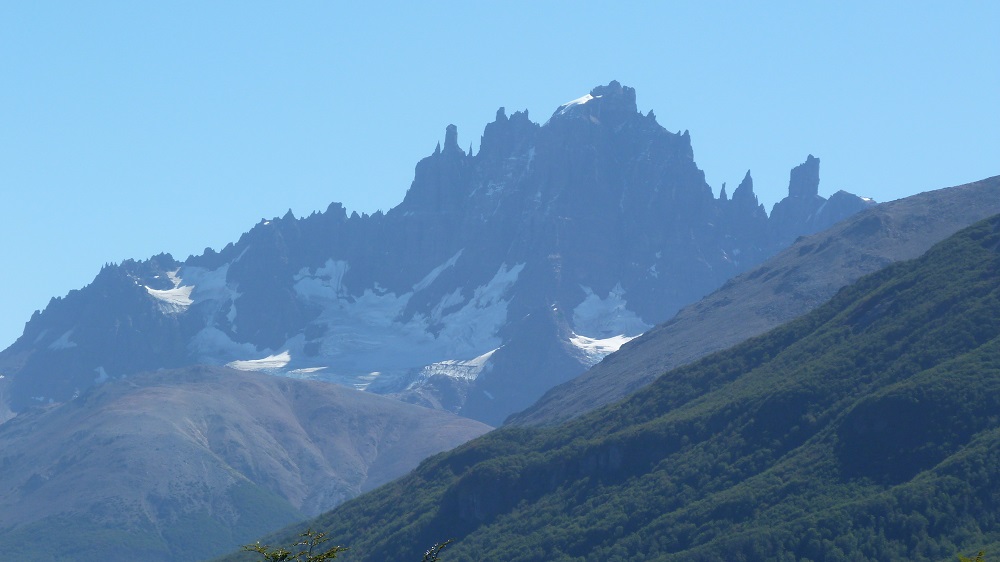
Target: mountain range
{"x":137,"y":411}
{"x":500,"y":274}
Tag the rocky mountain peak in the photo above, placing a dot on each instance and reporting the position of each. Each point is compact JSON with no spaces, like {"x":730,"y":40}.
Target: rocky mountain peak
{"x":744,"y":192}
{"x":803,"y":180}
{"x":506,"y":135}
{"x":610,"y":105}
{"x":804,"y":211}
{"x":451,"y":139}
{"x":615,"y":93}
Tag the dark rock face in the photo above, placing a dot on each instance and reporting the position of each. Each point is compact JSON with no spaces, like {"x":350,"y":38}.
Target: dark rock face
{"x":499,"y":275}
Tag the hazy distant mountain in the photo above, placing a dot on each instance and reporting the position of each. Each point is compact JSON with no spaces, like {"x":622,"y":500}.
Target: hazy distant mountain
{"x":864,"y":430}
{"x":500,"y":275}
{"x":782,"y":288}
{"x":174,"y":465}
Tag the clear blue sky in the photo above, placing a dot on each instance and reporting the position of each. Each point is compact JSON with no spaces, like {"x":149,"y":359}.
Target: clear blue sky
{"x":133,"y":128}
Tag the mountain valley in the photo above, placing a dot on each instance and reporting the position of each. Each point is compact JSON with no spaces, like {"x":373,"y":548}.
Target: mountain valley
{"x":183,"y":407}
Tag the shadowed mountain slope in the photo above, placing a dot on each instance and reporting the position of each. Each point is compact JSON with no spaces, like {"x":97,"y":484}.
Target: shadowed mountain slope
{"x":866,"y":429}
{"x":170,"y":465}
{"x":789,"y":284}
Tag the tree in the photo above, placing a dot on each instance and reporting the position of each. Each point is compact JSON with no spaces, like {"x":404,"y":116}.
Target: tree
{"x":432,"y":553}
{"x":307,"y":551}
{"x":309,"y":544}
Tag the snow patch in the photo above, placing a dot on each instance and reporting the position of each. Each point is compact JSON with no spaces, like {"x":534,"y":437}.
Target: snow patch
{"x":211,"y":342}
{"x":209,"y":284}
{"x":468,"y":370}
{"x":602,"y":326}
{"x":324,"y":282}
{"x":820,"y":210}
{"x":63,"y":342}
{"x":213,"y":295}
{"x":433,"y":275}
{"x":475,"y":325}
{"x":269,"y":363}
{"x":172,"y":301}
{"x":599,"y":318}
{"x":360,"y":335}
{"x":307,"y":370}
{"x":449,"y":301}
{"x":368,"y":337}
{"x":308,"y":373}
{"x":102,"y":375}
{"x":596,"y":349}
{"x":41,"y":336}
{"x":568,"y":106}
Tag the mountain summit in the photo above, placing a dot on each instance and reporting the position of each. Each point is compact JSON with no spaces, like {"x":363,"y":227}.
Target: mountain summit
{"x":499,"y":275}
{"x":610,"y":105}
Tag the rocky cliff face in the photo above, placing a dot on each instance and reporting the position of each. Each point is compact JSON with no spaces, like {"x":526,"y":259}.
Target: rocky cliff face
{"x":500,"y":275}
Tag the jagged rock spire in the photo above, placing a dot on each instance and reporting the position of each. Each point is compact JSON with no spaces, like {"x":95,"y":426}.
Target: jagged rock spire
{"x":803,"y":180}
{"x":744,"y":192}
{"x":451,"y":139}
{"x":506,"y":135}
